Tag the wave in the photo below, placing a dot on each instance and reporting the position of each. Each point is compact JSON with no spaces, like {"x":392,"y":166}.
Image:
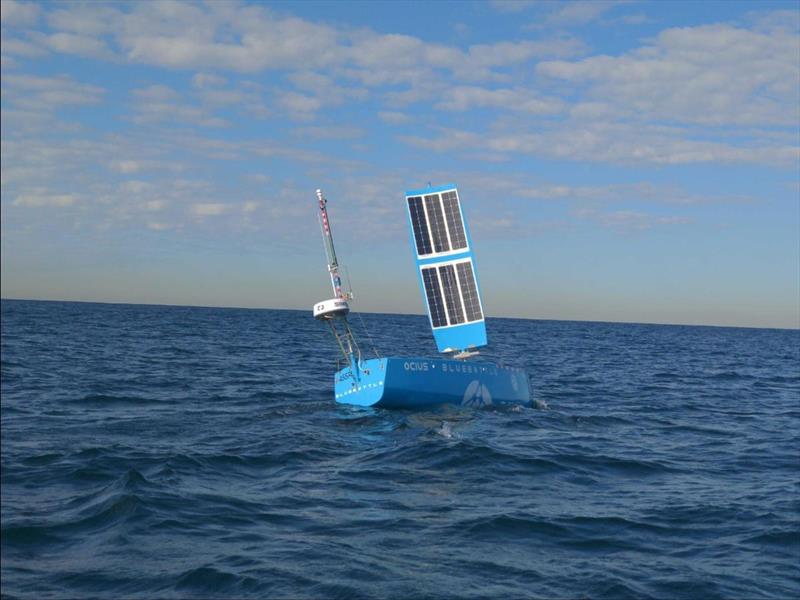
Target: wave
{"x":114,"y":401}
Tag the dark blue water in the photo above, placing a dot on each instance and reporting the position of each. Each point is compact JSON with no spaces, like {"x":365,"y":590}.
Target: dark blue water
{"x":152,"y":451}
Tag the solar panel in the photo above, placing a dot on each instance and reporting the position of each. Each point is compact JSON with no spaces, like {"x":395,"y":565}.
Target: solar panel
{"x":420,"y":225}
{"x":469,"y":291}
{"x":437,"y":223}
{"x":434,"y":295}
{"x":447,"y":274}
{"x":433,"y":206}
{"x":454,"y":223}
{"x":452,"y":297}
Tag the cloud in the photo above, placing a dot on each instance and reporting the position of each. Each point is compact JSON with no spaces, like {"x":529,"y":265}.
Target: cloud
{"x":560,"y":14}
{"x":253,"y":39}
{"x":466,"y":97}
{"x":580,"y":12}
{"x":628,"y":221}
{"x":127,"y":166}
{"x":512,"y":6}
{"x":394,"y":117}
{"x":159,"y":103}
{"x":154,"y":205}
{"x":19,"y":13}
{"x":43,"y":199}
{"x":49,"y":93}
{"x":85,"y":18}
{"x":206,"y":209}
{"x":241,"y":38}
{"x":71,"y":43}
{"x":769,"y":21}
{"x":300,"y":106}
{"x":331,"y":132}
{"x":737,"y":76}
{"x":20,"y":47}
{"x":135,"y":186}
{"x":207,"y":80}
{"x":618,"y":143}
{"x":157,"y":226}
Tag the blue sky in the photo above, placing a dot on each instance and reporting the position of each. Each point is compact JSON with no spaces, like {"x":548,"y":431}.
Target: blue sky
{"x":622,"y":161}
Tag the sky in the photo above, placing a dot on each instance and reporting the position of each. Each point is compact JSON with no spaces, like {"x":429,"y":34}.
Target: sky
{"x":617,"y":161}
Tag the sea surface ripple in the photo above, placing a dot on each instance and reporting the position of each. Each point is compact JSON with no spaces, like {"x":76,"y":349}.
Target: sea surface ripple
{"x":176,"y":452}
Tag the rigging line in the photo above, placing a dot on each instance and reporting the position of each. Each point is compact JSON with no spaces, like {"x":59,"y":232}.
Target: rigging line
{"x":369,"y":337}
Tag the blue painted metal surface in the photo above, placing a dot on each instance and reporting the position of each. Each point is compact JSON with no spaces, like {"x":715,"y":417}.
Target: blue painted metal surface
{"x":410,"y":382}
{"x":453,"y":337}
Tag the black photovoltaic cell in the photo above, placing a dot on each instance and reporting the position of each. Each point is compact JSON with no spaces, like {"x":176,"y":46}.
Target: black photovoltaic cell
{"x":451,"y":296}
{"x":454,"y":223}
{"x":436,"y":219}
{"x":434,"y":295}
{"x":420,"y":225}
{"x":469,"y":291}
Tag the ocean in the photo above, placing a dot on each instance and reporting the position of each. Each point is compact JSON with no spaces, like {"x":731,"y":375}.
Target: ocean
{"x":182,"y":452}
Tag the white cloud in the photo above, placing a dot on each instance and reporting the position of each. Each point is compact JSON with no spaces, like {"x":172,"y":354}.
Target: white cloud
{"x":227,"y":36}
{"x":770,"y":21}
{"x":206,"y":209}
{"x":43,"y":199}
{"x":299,"y":105}
{"x":85,"y":19}
{"x":20,"y":47}
{"x":127,"y":166}
{"x":619,"y":143}
{"x":394,"y":117}
{"x":72,"y":43}
{"x":156,"y":93}
{"x":207,"y":80}
{"x":517,"y":99}
{"x":253,"y":38}
{"x":512,"y":6}
{"x":710,"y":75}
{"x":159,"y":103}
{"x":329,"y":132}
{"x":135,"y":186}
{"x":627,"y":220}
{"x":580,"y":12}
{"x":19,"y":13}
{"x":154,"y":205}
{"x":49,"y":93}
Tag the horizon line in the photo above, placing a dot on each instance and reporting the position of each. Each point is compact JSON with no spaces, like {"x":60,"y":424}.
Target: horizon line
{"x":793,"y":328}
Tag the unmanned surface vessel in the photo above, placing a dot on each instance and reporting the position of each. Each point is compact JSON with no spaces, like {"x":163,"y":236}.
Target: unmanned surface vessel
{"x":448,"y":279}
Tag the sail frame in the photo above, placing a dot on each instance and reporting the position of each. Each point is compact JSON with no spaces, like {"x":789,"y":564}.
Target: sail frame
{"x":450,"y":336}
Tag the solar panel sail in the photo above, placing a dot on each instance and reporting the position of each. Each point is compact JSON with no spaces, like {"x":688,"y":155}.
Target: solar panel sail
{"x":444,"y":257}
{"x":437,"y":223}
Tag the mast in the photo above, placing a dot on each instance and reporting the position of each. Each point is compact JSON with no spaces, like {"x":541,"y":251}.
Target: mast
{"x":330,"y":251}
{"x":335,"y":310}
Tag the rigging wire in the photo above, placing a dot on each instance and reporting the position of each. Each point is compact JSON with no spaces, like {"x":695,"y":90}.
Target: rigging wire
{"x":369,"y":337}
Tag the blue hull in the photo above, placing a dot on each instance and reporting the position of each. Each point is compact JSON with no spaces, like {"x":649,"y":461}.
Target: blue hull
{"x":413,"y":381}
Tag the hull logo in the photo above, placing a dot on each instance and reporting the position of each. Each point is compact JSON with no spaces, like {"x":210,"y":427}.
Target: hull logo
{"x":476,"y":395}
{"x":415,"y":366}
